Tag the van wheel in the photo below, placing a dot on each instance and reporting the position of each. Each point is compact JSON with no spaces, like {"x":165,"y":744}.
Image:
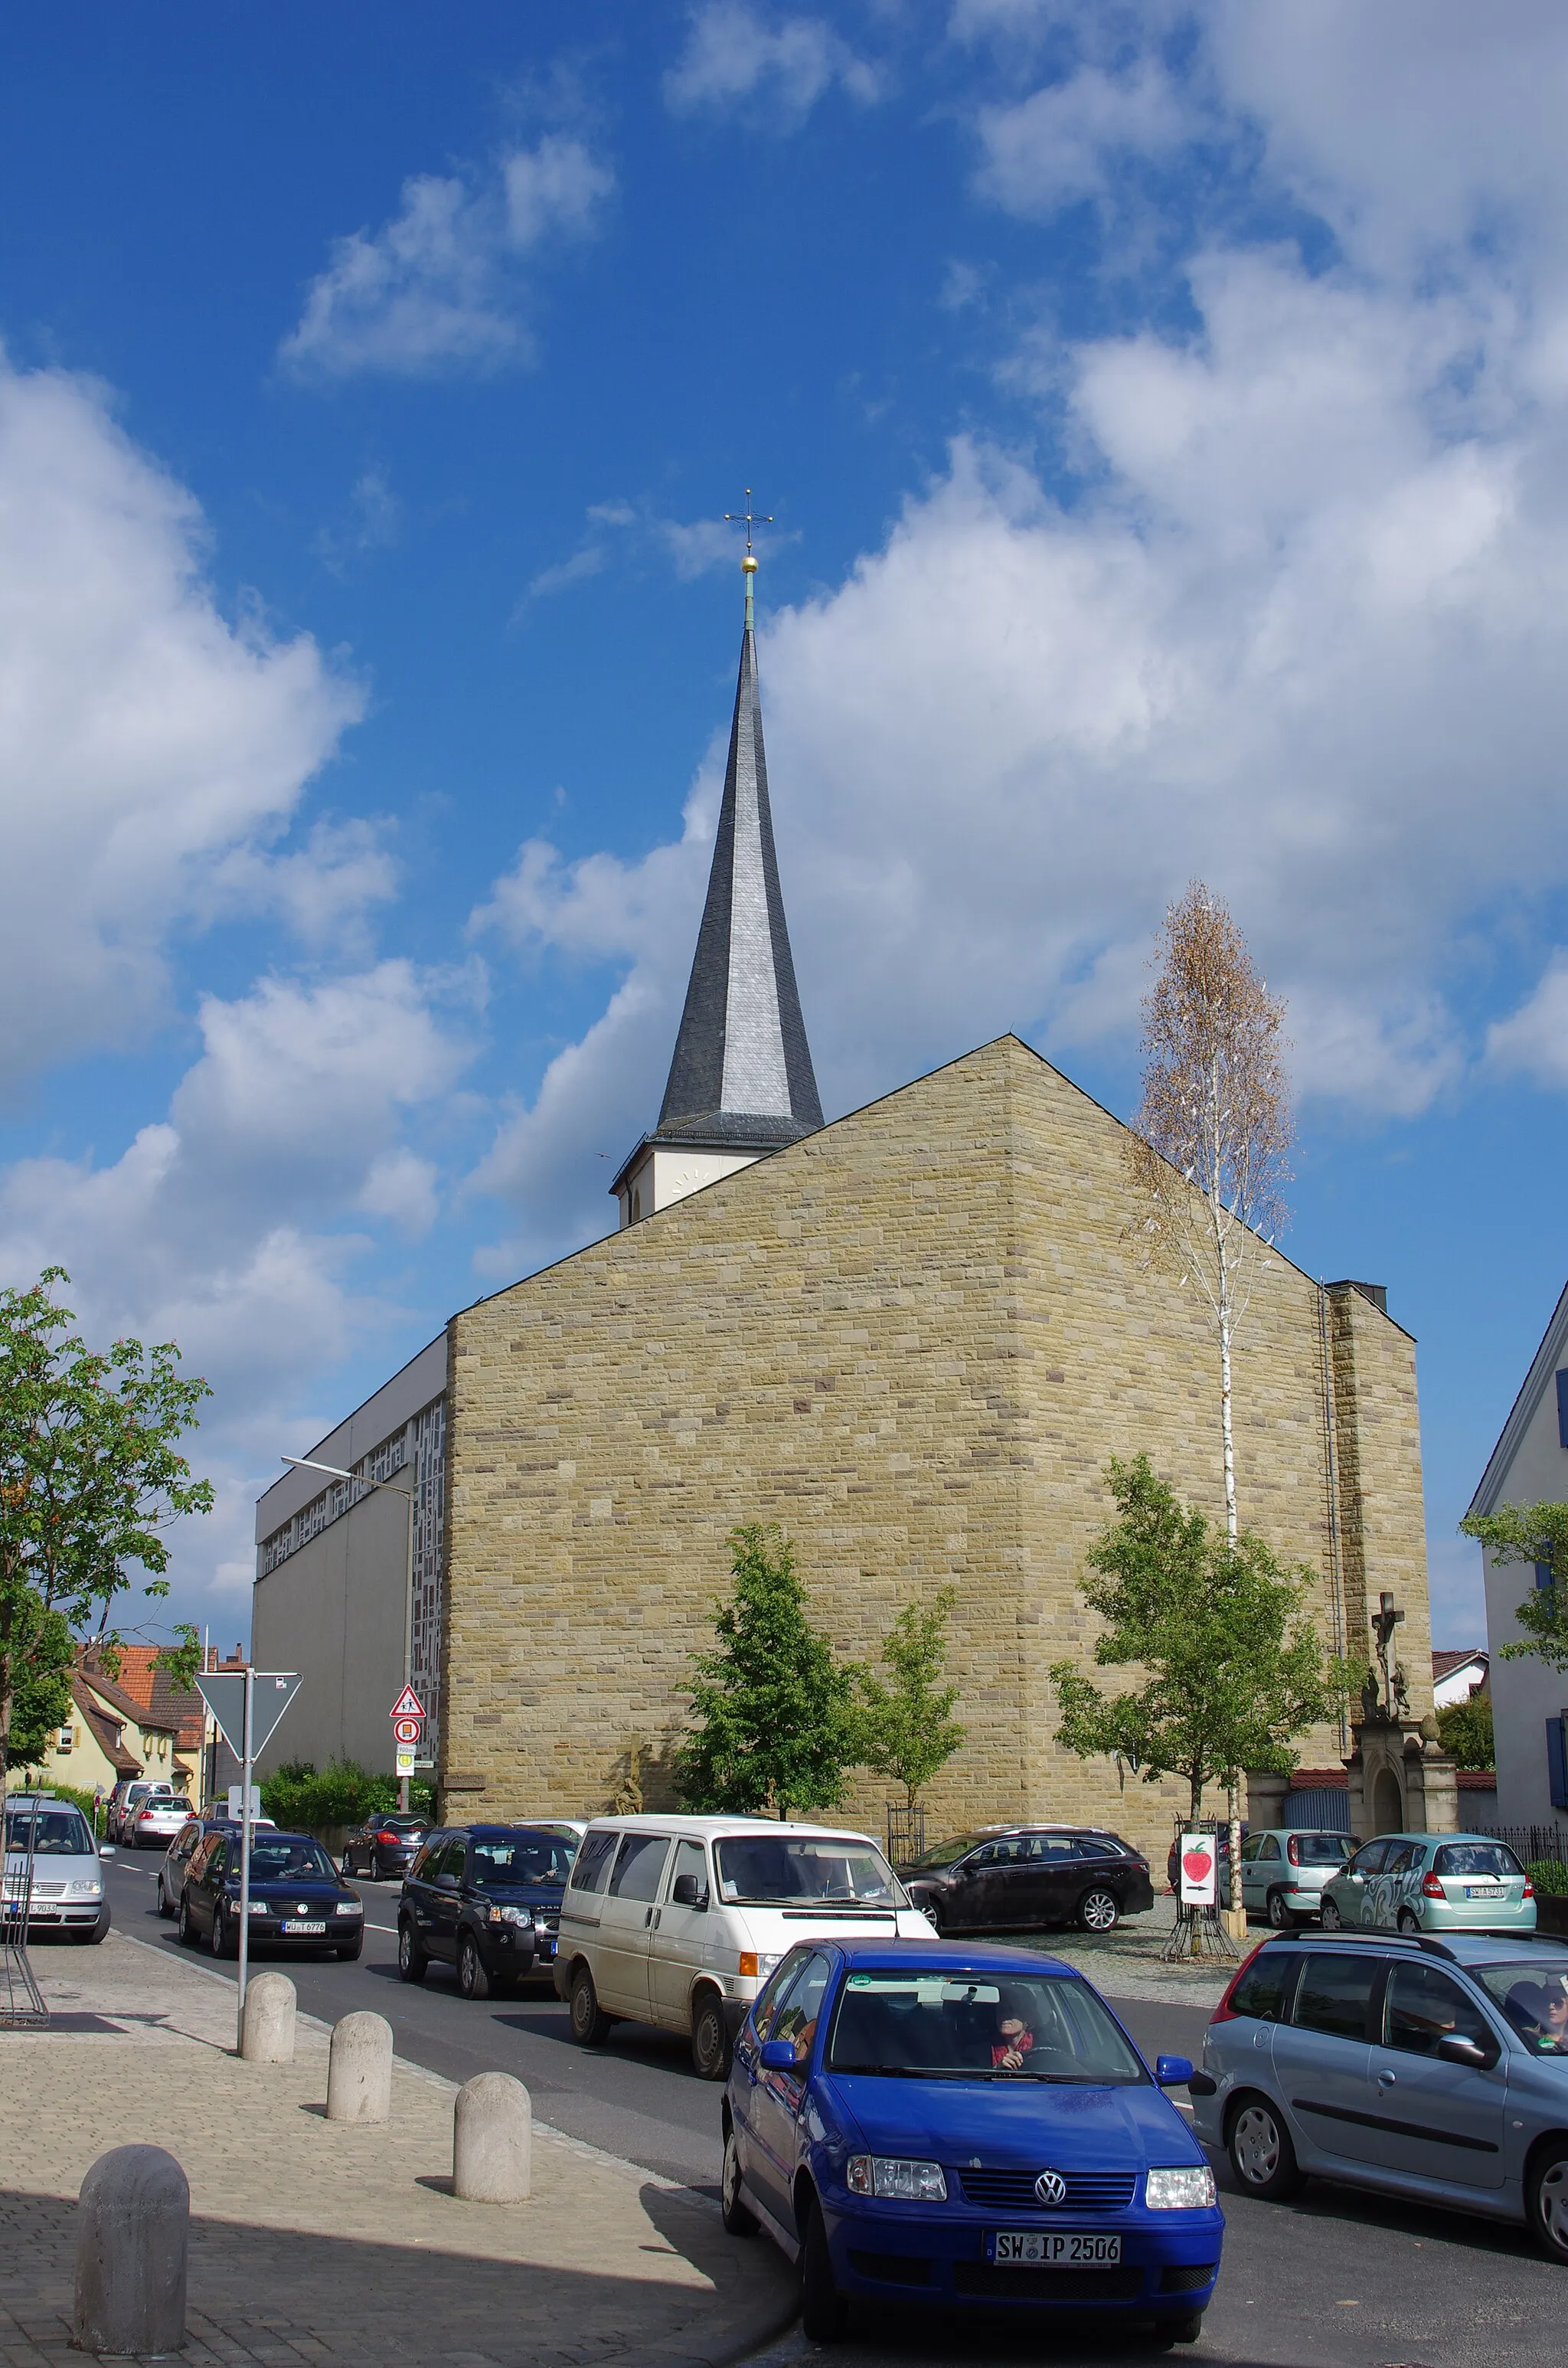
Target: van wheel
{"x":825,"y":2314}
{"x":711,"y":2050}
{"x":590,"y":2028}
{"x":732,"y":2211}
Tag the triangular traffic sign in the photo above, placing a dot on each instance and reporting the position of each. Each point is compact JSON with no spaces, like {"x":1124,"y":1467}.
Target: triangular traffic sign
{"x":223,"y":1692}
{"x":407,"y":1705}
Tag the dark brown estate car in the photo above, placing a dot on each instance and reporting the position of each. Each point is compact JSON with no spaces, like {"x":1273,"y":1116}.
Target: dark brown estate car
{"x":1009,"y":1878}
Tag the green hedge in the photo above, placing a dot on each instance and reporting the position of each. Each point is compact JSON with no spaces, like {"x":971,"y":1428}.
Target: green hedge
{"x":1548,"y":1875}
{"x":342,"y":1793}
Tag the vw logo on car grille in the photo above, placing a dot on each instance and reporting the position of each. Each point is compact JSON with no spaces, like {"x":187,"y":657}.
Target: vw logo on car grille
{"x":304,"y":1907}
{"x":1050,"y":2187}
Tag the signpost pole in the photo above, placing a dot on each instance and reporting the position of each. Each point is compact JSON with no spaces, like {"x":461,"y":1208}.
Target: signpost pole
{"x":248,"y":1756}
{"x":407,"y":1636}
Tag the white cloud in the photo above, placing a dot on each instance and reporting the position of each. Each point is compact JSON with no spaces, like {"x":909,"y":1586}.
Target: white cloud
{"x":733,"y":53}
{"x":439,"y":287}
{"x":1533,"y":1040}
{"x":221,"y":1225}
{"x":1067,"y":141}
{"x":143,"y":737}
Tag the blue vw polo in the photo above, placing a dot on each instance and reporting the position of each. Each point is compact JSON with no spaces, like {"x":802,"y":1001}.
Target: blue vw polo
{"x":964,"y":2126}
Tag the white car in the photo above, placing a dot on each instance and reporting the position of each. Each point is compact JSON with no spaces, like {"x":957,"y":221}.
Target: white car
{"x":679,"y":1921}
{"x":155,"y":1822}
{"x":126,"y":1798}
{"x":67,"y":1894}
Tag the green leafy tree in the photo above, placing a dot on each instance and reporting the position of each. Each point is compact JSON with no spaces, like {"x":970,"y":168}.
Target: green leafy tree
{"x":44,"y":1651}
{"x":773,"y":1713}
{"x":1465,"y":1729}
{"x":907,"y":1729}
{"x":1233,"y":1670}
{"x":91,"y":1477}
{"x":1535,"y":1533}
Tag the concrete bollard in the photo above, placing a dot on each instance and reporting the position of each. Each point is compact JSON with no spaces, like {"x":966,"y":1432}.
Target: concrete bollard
{"x":269,"y":2019}
{"x":358,"y":2077}
{"x":493,"y":2128}
{"x":132,"y":2242}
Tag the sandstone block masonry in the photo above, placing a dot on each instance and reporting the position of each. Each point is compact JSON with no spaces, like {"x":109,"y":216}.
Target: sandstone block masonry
{"x":914,"y":1340}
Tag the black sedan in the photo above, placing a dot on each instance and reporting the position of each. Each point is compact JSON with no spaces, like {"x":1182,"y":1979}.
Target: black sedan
{"x":296,"y":1898}
{"x":484,"y":1900}
{"x":1009,"y":1878}
{"x":384,"y":1845}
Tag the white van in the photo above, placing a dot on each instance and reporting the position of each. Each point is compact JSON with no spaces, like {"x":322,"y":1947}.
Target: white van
{"x":679,"y":1921}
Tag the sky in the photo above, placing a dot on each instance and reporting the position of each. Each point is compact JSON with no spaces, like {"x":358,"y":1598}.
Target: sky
{"x":1161,"y":416}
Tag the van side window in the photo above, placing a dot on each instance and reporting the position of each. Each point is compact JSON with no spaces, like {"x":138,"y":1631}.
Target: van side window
{"x":639,"y":1867}
{"x":592,"y":1863}
{"x":690,"y":1859}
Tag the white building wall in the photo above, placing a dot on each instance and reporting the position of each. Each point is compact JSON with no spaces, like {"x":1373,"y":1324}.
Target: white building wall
{"x":1524,"y":1693}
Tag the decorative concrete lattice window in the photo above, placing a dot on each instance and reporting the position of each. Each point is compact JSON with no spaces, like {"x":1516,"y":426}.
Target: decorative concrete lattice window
{"x":339,"y":1498}
{"x":429,"y":1448}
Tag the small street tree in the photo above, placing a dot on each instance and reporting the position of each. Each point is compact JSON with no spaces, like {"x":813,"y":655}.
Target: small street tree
{"x":1465,"y":1731}
{"x":1532,"y":1533}
{"x":773,"y":1713}
{"x":907,"y":1729}
{"x":91,"y":1476}
{"x":1233,"y":1672}
{"x":1211,"y":1141}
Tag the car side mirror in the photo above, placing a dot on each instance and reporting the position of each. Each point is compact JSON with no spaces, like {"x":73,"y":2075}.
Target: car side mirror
{"x":778,"y":2056}
{"x":447,"y":1882}
{"x":690,"y":1891}
{"x":1172,"y":2071}
{"x":1455,"y":2048}
{"x":106,"y":1849}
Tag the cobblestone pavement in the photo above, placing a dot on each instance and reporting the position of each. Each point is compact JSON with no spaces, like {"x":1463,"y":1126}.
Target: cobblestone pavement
{"x":315,"y":2241}
{"x":1127,"y":1963}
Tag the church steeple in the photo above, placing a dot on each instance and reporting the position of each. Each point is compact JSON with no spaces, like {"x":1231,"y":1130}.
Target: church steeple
{"x":741,"y":1083}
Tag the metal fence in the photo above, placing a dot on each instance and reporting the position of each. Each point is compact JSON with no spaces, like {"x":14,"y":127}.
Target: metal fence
{"x":1530,"y":1843}
{"x":906,"y":1830}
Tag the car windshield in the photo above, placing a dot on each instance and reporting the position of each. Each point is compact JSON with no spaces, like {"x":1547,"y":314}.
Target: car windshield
{"x":979,"y":2027}
{"x":1320,"y":1850}
{"x":514,"y":1861}
{"x":1533,"y":1994}
{"x":781,"y":1870}
{"x":946,"y":1853}
{"x":49,"y":1833}
{"x":1476,"y":1858}
{"x":290,"y":1861}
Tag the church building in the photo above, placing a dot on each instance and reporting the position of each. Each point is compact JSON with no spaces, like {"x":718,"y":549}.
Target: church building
{"x":913,"y":1338}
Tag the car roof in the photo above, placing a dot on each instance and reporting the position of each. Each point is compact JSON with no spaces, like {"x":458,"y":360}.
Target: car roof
{"x":543,"y":1832}
{"x":715,"y":1829}
{"x":1414,"y":1837}
{"x":940,"y":1956}
{"x":1462,"y":1948}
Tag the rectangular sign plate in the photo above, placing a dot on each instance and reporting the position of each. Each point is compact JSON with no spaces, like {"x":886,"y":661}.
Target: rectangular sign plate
{"x":1022,"y":2249}
{"x":295,"y":1926}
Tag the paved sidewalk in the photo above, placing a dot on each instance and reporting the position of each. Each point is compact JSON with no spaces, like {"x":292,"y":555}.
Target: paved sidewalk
{"x":1127,"y":1963}
{"x":312,"y":2241}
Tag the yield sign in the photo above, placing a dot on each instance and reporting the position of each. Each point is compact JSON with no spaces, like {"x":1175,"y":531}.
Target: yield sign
{"x":223,"y":1692}
{"x":407,"y":1705}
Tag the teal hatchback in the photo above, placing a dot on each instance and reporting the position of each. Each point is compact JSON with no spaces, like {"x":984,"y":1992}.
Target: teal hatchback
{"x":1431,"y":1882}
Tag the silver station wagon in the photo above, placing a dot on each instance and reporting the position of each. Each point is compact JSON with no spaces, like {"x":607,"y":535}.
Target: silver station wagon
{"x":1436,"y":2069}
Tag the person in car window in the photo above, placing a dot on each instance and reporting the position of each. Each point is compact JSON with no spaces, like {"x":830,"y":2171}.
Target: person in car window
{"x":1552,"y":2034}
{"x":1526,"y":2009}
{"x":1014,"y":2038}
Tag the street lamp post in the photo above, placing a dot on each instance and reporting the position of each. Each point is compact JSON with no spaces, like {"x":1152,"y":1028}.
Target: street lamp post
{"x":308,"y":1463}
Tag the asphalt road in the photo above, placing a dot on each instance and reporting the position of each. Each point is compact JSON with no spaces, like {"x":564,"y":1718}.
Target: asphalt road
{"x":1336,"y":2280}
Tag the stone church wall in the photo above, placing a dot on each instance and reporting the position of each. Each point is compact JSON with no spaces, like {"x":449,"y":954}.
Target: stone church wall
{"x":913,"y":1339}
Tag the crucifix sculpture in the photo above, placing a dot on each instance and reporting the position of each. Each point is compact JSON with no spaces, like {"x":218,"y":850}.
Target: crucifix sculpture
{"x":1385,"y":1621}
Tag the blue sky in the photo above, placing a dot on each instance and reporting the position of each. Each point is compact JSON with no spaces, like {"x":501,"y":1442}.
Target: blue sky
{"x":1164,"y":414}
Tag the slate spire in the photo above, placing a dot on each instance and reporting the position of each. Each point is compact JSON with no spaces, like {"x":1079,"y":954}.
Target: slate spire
{"x":742,"y":1073}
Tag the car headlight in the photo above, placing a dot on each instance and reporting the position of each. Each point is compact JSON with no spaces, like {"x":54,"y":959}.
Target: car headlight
{"x":1189,"y":2189}
{"x":346,"y":1908}
{"x":89,"y":1888}
{"x":510,"y":1916}
{"x":259,"y":1908}
{"x":907,"y":2182}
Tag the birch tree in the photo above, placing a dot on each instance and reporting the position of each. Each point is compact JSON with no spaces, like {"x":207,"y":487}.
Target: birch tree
{"x":1209,"y":1153}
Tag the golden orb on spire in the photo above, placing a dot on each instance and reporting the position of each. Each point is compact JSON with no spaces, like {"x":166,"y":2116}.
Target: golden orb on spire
{"x":748,"y":565}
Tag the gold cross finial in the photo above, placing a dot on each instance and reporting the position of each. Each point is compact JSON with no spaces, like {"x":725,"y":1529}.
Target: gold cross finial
{"x":748,"y":565}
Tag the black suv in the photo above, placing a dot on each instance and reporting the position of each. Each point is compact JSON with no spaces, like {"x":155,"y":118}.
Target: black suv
{"x":485,"y":1900}
{"x":1006,"y":1878}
